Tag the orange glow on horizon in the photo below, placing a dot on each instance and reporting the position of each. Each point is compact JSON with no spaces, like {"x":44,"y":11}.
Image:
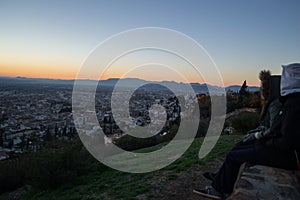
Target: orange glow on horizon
{"x":70,"y":73}
{"x":37,"y":72}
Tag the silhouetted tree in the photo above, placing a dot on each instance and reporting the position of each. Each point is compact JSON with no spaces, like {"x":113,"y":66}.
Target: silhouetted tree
{"x":48,"y":136}
{"x":22,"y":142}
{"x":1,"y":137}
{"x":243,"y":96}
{"x":64,"y":133}
{"x":243,"y":90}
{"x":55,"y":130}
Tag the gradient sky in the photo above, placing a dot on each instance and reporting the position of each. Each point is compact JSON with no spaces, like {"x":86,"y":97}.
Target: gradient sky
{"x":52,"y":38}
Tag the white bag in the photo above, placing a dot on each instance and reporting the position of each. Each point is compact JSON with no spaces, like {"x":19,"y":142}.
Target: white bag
{"x":290,"y":79}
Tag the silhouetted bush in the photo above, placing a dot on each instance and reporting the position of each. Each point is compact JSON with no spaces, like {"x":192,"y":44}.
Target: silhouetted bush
{"x":244,"y":122}
{"x":12,"y":175}
{"x":130,"y":143}
{"x":48,"y":168}
{"x":202,"y":128}
{"x":51,"y":169}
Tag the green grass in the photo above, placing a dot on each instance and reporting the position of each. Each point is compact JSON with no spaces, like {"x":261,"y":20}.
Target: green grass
{"x":112,"y":184}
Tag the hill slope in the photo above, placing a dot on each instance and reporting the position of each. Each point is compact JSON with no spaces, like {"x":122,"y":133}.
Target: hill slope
{"x":173,"y":182}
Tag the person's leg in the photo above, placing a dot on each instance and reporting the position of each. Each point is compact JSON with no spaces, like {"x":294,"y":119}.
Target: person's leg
{"x":243,"y":145}
{"x":226,"y":176}
{"x":239,"y":146}
{"x":225,"y":179}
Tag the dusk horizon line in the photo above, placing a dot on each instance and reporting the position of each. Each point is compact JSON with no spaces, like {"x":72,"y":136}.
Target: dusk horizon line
{"x":64,"y":79}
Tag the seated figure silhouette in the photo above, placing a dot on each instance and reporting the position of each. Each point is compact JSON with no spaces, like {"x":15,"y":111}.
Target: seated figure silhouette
{"x":277,"y":146}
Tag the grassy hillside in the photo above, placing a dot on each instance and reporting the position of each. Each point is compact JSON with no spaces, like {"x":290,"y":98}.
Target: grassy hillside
{"x":112,"y":184}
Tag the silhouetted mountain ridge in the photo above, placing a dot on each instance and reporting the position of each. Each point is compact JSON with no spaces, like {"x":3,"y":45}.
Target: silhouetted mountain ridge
{"x":126,"y":82}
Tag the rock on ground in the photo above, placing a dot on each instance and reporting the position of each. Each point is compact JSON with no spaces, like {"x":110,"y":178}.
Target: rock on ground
{"x":261,"y":182}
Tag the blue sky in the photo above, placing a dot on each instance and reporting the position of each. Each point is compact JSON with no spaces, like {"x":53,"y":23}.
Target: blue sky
{"x":52,"y":38}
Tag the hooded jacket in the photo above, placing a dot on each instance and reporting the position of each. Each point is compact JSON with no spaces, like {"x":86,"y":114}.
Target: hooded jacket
{"x":286,"y":127}
{"x":290,"y":82}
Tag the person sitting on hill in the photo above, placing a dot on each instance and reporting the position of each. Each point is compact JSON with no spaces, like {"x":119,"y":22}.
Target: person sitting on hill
{"x":270,"y":93}
{"x":280,"y":148}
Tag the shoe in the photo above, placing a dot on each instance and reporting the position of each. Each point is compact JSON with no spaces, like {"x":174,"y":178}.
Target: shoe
{"x":209,"y":192}
{"x":209,"y":175}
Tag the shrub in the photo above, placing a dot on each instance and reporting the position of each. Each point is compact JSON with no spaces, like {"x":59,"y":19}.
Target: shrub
{"x":202,"y":128}
{"x":130,"y":143}
{"x":12,"y":175}
{"x":245,"y":121}
{"x":49,"y":168}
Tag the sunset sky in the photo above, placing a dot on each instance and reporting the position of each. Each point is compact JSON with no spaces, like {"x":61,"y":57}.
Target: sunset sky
{"x":51,"y":39}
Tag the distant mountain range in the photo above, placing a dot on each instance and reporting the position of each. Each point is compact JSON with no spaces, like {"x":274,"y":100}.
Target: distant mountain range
{"x":127,"y":82}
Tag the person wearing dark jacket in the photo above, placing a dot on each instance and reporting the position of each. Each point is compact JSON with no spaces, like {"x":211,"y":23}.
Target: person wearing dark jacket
{"x":280,"y":148}
{"x":270,"y":93}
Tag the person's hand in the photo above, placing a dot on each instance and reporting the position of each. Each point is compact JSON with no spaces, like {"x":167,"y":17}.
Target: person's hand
{"x":252,"y":136}
{"x":249,"y":137}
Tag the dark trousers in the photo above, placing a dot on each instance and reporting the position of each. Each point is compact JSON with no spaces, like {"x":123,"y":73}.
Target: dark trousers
{"x":241,"y":153}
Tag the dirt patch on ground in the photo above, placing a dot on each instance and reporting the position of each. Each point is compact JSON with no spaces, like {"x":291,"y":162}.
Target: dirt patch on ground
{"x":181,"y":187}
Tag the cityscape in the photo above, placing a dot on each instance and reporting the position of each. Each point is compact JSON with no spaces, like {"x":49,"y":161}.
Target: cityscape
{"x":35,"y":113}
{"x":149,"y":100}
{"x":37,"y":123}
